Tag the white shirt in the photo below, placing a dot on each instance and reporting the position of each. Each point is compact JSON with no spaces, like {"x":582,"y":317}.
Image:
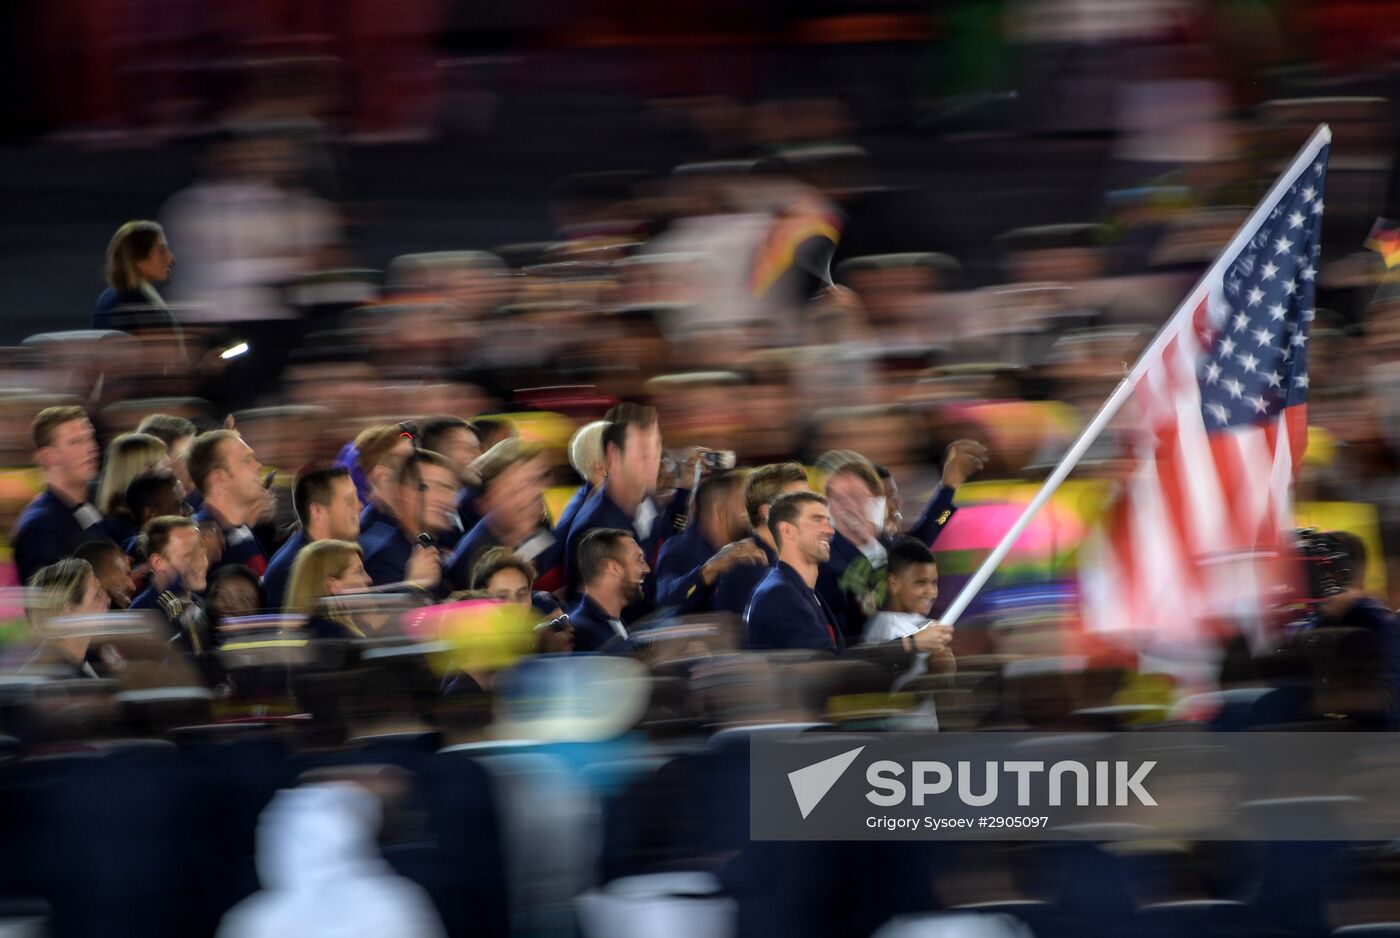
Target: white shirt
{"x":892,"y":626}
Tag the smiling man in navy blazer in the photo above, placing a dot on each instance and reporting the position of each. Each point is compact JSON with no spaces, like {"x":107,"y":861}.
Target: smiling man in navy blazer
{"x":786,"y":611}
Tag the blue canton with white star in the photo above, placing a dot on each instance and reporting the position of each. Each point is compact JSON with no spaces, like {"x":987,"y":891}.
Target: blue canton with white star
{"x":1259,"y":357}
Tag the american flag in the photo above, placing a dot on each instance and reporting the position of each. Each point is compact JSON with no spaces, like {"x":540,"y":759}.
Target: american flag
{"x":1193,"y":536}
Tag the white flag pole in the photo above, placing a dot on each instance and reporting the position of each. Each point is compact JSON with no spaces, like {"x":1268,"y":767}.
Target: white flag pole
{"x":1320,"y":137}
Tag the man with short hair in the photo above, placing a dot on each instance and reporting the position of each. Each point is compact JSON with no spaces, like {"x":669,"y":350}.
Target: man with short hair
{"x":177,"y":433}
{"x":327,"y":508}
{"x":632,"y":451}
{"x":423,"y":498}
{"x":787,"y":612}
{"x":65,"y":450}
{"x":179,"y":566}
{"x":713,"y":544}
{"x":513,"y":476}
{"x":380,"y":453}
{"x":613,"y":568}
{"x":229,"y":474}
{"x":734,"y":588}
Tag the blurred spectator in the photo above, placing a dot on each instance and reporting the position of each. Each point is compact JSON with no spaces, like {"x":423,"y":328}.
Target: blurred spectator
{"x":65,"y":449}
{"x":177,"y":433}
{"x":586,"y":456}
{"x":128,"y":456}
{"x":376,"y":456}
{"x":712,"y":544}
{"x":230,"y":477}
{"x":112,"y":567}
{"x":179,"y":567}
{"x":326,"y":568}
{"x":853,"y":579}
{"x":511,"y":503}
{"x":66,"y":588}
{"x":326,"y":507}
{"x":395,"y":548}
{"x":632,"y":450}
{"x":233,"y":591}
{"x":138,"y":260}
{"x":503,"y":576}
{"x":612,"y":569}
{"x":322,"y":873}
{"x":152,"y":495}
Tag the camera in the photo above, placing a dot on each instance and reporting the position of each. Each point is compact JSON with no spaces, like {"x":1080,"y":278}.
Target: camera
{"x":717,"y":460}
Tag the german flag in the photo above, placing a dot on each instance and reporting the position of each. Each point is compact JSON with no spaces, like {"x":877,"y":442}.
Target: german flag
{"x":1385,"y":241}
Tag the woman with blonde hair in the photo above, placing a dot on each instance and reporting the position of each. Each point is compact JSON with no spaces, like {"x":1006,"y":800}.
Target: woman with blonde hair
{"x":322,"y":571}
{"x":137,"y":260}
{"x":66,"y":588}
{"x":128,"y":456}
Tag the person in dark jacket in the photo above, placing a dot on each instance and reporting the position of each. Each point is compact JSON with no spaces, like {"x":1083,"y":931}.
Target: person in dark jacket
{"x":138,"y":260}
{"x":65,"y":450}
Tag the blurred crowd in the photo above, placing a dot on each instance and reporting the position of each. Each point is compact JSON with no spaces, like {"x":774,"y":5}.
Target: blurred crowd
{"x":444,"y":599}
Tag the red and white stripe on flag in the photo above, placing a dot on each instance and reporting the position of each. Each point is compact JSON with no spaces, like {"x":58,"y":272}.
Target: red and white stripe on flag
{"x":1197,"y":536}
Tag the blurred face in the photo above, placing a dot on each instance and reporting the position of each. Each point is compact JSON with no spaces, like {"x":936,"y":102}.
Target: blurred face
{"x":114,"y":573}
{"x":736,"y":517}
{"x":914,"y":589}
{"x":811,"y":534}
{"x":509,"y":586}
{"x":71,"y":458}
{"x":516,"y":495}
{"x":343,"y":513}
{"x":94,"y":598}
{"x":179,"y":463}
{"x":640,"y":461}
{"x":157,"y":266}
{"x":461,"y":446}
{"x":894,"y":505}
{"x":632,"y":570}
{"x":435,"y":498}
{"x":852,"y":507}
{"x":354,"y":578}
{"x":234,"y":596}
{"x":170,"y":501}
{"x":185,"y":554}
{"x":242,"y":472}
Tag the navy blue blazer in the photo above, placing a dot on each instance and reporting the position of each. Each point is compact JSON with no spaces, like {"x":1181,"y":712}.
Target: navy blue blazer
{"x":387,"y":550}
{"x":678,"y":581}
{"x":458,"y":569}
{"x":786,"y":613}
{"x":734,"y":588}
{"x":601,"y":511}
{"x":248,"y":551}
{"x":279,"y":568}
{"x":46,"y":532}
{"x":566,"y":517}
{"x":372,"y":515}
{"x":105,"y":314}
{"x":592,"y":631}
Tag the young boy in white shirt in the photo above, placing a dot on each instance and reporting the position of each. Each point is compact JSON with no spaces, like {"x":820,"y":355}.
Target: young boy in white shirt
{"x":911,"y":588}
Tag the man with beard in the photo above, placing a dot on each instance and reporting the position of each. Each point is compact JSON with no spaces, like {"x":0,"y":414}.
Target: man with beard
{"x":612,"y":568}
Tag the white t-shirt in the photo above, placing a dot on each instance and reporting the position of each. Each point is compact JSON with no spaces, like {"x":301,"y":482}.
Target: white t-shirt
{"x":891,"y":626}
